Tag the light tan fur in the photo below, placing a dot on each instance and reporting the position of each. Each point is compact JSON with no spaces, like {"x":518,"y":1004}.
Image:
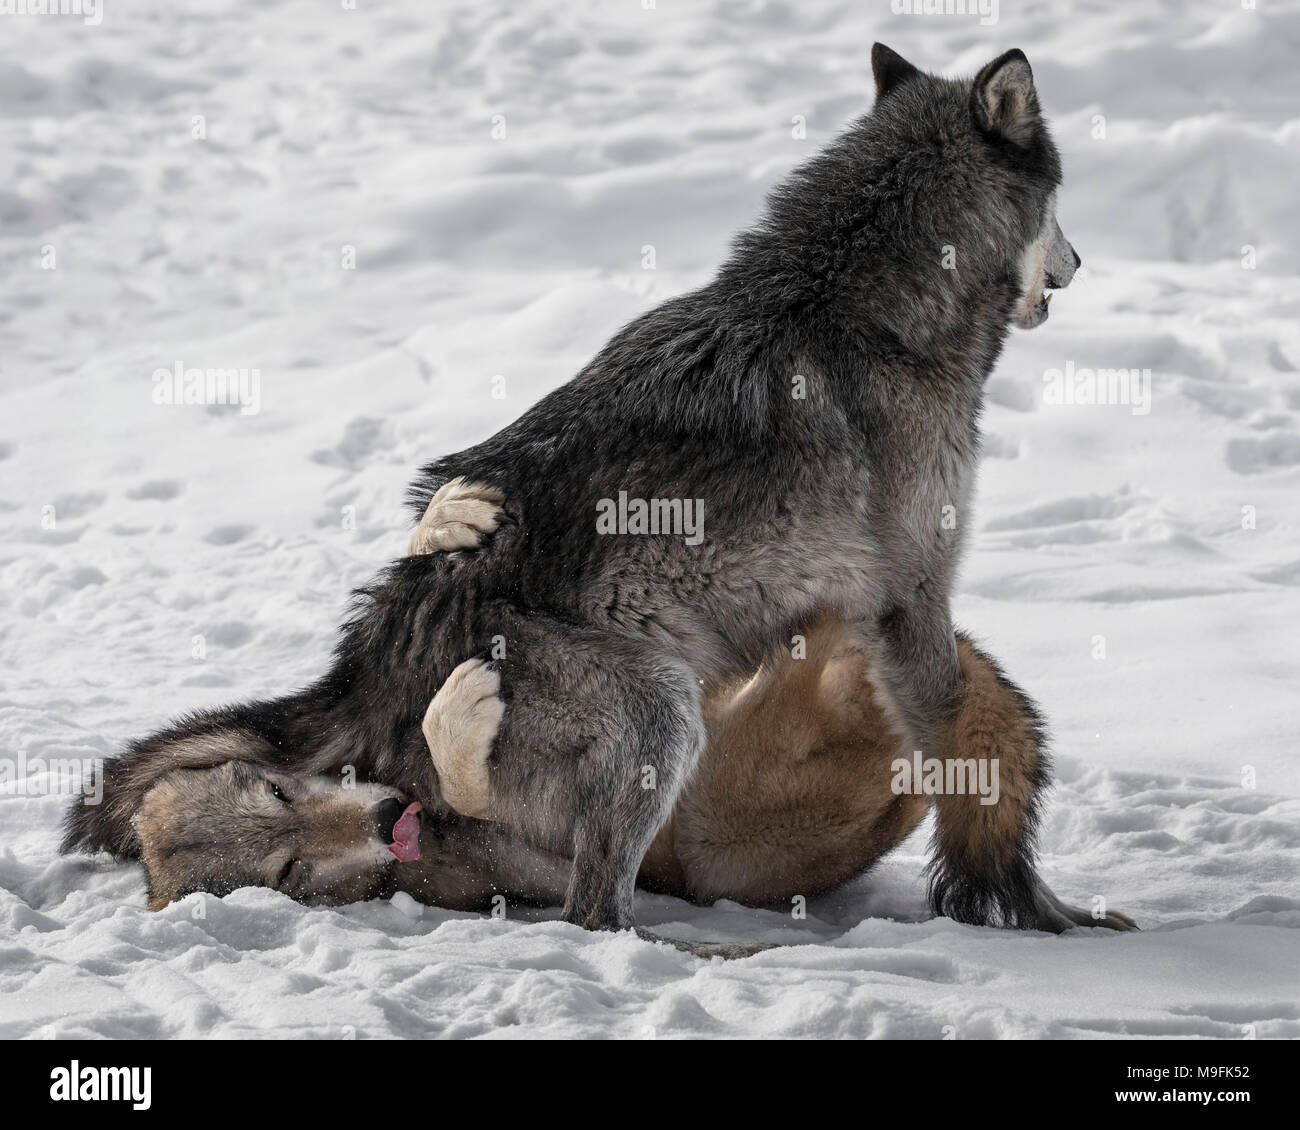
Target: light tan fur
{"x":792,"y":793}
{"x":459,"y":726}
{"x":457,"y":517}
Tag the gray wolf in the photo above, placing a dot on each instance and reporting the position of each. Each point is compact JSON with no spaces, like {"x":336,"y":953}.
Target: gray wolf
{"x":821,"y":396}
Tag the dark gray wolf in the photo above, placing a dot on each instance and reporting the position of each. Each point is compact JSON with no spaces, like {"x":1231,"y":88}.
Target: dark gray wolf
{"x":821,"y":396}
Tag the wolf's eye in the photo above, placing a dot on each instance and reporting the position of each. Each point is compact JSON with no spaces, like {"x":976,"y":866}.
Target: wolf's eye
{"x":278,"y":793}
{"x":285,"y":871}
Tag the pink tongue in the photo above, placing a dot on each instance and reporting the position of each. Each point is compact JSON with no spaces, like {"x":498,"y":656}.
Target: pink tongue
{"x":406,"y":834}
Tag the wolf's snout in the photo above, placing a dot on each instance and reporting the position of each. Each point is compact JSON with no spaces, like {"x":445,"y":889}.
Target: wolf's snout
{"x":1060,"y":274}
{"x":387,"y":815}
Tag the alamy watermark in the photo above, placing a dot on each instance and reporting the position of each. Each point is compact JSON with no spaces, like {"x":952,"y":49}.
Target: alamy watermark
{"x":179,"y":385}
{"x":674,"y":517}
{"x":90,"y":11}
{"x":75,"y":1083}
{"x":952,"y":776}
{"x":987,"y":10}
{"x":53,"y":776}
{"x":1103,"y":387}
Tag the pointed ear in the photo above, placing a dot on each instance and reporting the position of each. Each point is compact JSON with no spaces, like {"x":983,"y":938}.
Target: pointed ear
{"x":889,"y":69}
{"x":1003,"y":98}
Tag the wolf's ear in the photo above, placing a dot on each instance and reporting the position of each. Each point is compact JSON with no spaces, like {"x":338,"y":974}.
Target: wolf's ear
{"x":889,"y":69}
{"x":1003,"y":98}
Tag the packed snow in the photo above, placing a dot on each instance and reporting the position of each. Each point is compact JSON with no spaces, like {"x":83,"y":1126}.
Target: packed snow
{"x":413,"y":220}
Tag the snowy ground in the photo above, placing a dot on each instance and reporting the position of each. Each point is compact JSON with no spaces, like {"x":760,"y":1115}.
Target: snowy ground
{"x":479,"y":257}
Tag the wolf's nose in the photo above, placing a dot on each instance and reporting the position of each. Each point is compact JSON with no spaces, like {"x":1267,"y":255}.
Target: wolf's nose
{"x":386,"y":815}
{"x":1077,"y":261}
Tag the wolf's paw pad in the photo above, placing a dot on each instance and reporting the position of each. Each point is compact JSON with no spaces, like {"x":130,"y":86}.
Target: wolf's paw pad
{"x":457,"y":517}
{"x":460,"y":727}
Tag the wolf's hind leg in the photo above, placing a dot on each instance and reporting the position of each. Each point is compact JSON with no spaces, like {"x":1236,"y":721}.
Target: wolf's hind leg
{"x":460,"y":726}
{"x":457,"y":517}
{"x":984,"y":867}
{"x":915,"y":669}
{"x":600,"y":735}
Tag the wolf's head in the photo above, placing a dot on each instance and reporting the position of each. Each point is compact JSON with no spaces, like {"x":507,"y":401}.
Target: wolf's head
{"x":932,"y":218}
{"x":239,"y":824}
{"x":1004,"y":105}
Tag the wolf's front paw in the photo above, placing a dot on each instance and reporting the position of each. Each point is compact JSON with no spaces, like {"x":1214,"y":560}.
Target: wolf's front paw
{"x":460,"y":726}
{"x":457,"y":517}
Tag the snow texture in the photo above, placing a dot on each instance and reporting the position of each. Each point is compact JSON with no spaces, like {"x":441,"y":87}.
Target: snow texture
{"x":481,"y":257}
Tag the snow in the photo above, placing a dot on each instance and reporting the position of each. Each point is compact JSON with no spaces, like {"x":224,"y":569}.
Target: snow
{"x":477,"y":258}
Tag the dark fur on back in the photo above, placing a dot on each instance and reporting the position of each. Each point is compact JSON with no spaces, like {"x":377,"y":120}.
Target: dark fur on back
{"x":843,"y":273}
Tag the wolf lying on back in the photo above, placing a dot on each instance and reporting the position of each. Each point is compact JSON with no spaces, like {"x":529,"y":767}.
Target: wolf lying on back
{"x":822,"y":396}
{"x":793,"y":794}
{"x":792,"y":797}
